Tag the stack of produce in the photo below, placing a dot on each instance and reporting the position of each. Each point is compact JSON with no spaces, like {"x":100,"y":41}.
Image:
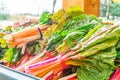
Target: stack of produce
{"x":74,"y":46}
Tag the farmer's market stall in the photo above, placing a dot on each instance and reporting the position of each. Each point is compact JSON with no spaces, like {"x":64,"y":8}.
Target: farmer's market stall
{"x":66,"y":45}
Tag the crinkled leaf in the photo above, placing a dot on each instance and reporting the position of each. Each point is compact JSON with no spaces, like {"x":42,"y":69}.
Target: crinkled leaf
{"x":109,"y":35}
{"x":72,"y":38}
{"x":98,"y":66}
{"x":17,"y":55}
{"x":69,"y":41}
{"x":82,"y":23}
{"x":9,"y":55}
{"x":54,"y":41}
{"x":91,"y":32}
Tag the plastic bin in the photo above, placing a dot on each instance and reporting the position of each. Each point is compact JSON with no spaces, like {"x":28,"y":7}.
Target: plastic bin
{"x":10,"y":74}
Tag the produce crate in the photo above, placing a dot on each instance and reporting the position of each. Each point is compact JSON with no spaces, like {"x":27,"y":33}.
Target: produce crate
{"x":10,"y":74}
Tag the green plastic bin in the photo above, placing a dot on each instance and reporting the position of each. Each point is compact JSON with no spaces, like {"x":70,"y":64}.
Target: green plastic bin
{"x":10,"y":74}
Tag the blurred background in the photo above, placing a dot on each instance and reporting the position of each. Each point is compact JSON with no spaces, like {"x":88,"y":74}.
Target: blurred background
{"x":17,"y":10}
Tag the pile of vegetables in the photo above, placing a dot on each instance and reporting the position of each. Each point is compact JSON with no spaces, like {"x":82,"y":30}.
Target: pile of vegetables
{"x":68,"y":45}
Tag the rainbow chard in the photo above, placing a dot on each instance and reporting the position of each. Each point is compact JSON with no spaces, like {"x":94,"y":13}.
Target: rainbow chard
{"x":82,"y":23}
{"x":96,"y":56}
{"x":99,"y":66}
{"x":12,"y":55}
{"x":72,"y":38}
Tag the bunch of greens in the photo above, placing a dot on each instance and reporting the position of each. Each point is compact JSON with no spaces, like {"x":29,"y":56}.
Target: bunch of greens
{"x":3,"y":44}
{"x":76,"y":27}
{"x":95,"y":58}
{"x":58,"y":21}
{"x":61,"y":17}
{"x":12,"y":55}
{"x":89,"y":46}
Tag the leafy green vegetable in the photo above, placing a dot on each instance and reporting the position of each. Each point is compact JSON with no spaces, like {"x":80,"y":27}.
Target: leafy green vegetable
{"x":12,"y":55}
{"x":62,"y":16}
{"x":72,"y":38}
{"x":82,"y":23}
{"x":97,"y":67}
{"x":80,"y":20}
{"x":58,"y":16}
{"x":44,"y":18}
{"x":73,"y":11}
{"x":98,"y":47}
{"x":8,"y":28}
{"x":9,"y":55}
{"x":34,"y":47}
{"x":54,"y":41}
{"x":69,"y":41}
{"x":96,"y":58}
{"x":58,"y":20}
{"x":17,"y":55}
{"x":107,"y":35}
{"x":91,"y":32}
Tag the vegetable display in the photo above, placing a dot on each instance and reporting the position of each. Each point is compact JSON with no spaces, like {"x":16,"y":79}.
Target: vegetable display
{"x":68,"y":45}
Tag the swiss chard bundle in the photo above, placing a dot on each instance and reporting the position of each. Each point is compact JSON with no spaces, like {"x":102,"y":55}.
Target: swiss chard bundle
{"x":97,"y":55}
{"x":59,"y":19}
{"x":12,"y":55}
{"x":82,"y":42}
{"x":81,"y":24}
{"x":97,"y":67}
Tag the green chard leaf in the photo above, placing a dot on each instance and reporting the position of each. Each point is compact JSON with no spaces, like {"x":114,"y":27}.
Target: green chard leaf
{"x":98,"y":66}
{"x":72,"y":38}
{"x":17,"y":55}
{"x":44,"y":18}
{"x":114,"y":35}
{"x":69,"y":41}
{"x":98,"y":62}
{"x":9,"y":55}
